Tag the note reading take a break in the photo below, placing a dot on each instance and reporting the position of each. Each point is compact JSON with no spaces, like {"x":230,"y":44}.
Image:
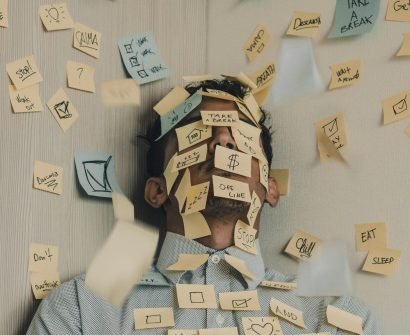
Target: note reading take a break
{"x":122,"y":92}
{"x":382,"y":260}
{"x":266,"y":325}
{"x":196,"y":296}
{"x":233,"y":161}
{"x":26,"y":100}
{"x":344,"y":320}
{"x":43,"y":283}
{"x":48,"y":177}
{"x":24,"y":72}
{"x":287,"y":312}
{"x":231,"y":189}
{"x":219,"y":118}
{"x":257,"y":42}
{"x":191,"y":134}
{"x":398,"y":10}
{"x":172,"y":100}
{"x":254,"y":209}
{"x":240,"y":301}
{"x":396,"y":107}
{"x":147,"y":318}
{"x":195,"y":226}
{"x":62,"y":109}
{"x":303,"y":245}
{"x":278,"y":285}
{"x":189,"y":158}
{"x":371,"y":235}
{"x":43,"y":258}
{"x":87,"y":40}
{"x":345,"y":74}
{"x":196,"y":198}
{"x":304,"y":24}
{"x":282,"y":180}
{"x":245,"y":237}
{"x":55,"y":16}
{"x":188,"y":262}
{"x":80,"y":76}
{"x":4,"y":14}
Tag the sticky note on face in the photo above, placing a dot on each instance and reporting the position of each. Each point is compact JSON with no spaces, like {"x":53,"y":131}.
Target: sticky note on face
{"x":233,"y":161}
{"x":172,"y":100}
{"x":188,"y":262}
{"x":261,"y":325}
{"x":62,"y":109}
{"x":264,"y":75}
{"x":191,"y":134}
{"x":26,"y":100}
{"x":254,"y":209}
{"x":245,"y":237}
{"x":87,"y":40}
{"x":182,"y":190}
{"x":80,"y":76}
{"x":405,"y":47}
{"x":43,"y":258}
{"x":148,"y":318}
{"x":196,"y":296}
{"x":219,"y":118}
{"x":240,"y":301}
{"x":304,"y":24}
{"x":382,"y":260}
{"x":48,"y":177}
{"x":396,"y":107}
{"x":239,"y":265}
{"x":264,"y":173}
{"x":243,"y":79}
{"x":253,"y":107}
{"x":344,"y":320}
{"x":123,"y":92}
{"x":43,"y":283}
{"x":4,"y":14}
{"x":231,"y":189}
{"x":278,"y":285}
{"x":345,"y":74}
{"x":371,"y":235}
{"x":189,"y":158}
{"x":287,"y":312}
{"x":282,"y":179}
{"x":195,"y":226}
{"x":247,"y":138}
{"x":245,"y":111}
{"x":257,"y":42}
{"x":55,"y":16}
{"x":303,"y":245}
{"x":398,"y":10}
{"x":196,"y":198}
{"x":24,"y":72}
{"x":170,"y":176}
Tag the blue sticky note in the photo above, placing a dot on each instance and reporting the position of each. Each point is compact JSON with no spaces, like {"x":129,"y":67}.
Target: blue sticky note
{"x":354,"y":17}
{"x":96,"y":174}
{"x":141,"y":58}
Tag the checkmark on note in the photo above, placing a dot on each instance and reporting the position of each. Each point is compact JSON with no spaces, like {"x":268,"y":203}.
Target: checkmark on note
{"x":240,"y":303}
{"x":400,"y":106}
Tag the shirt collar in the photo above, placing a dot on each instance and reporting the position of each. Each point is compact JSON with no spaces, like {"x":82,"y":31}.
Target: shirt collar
{"x":175,"y":244}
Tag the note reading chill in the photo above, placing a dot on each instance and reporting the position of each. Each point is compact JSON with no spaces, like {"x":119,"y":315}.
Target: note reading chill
{"x":80,"y":76}
{"x":233,"y":161}
{"x":304,"y":24}
{"x":231,"y":189}
{"x":345,"y":74}
{"x":196,"y":296}
{"x":396,"y":107}
{"x":87,"y":40}
{"x":303,"y":245}
{"x":257,"y":42}
{"x":219,"y":118}
{"x":382,"y":260}
{"x":121,"y":92}
{"x":24,"y":72}
{"x":62,"y":109}
{"x":48,"y":177}
{"x":43,"y":258}
{"x":26,"y":100}
{"x":55,"y":16}
{"x":239,"y":301}
{"x":371,"y":235}
{"x":245,"y":237}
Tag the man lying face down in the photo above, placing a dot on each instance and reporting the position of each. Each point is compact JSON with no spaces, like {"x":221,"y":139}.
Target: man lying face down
{"x":209,"y":174}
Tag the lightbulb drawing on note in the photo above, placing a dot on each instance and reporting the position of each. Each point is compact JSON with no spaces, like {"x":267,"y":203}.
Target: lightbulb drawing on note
{"x":56,"y":16}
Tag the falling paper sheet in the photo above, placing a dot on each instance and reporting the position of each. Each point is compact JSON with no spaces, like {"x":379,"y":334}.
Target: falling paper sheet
{"x":122,"y":92}
{"x":96,"y":174}
{"x":354,"y":17}
{"x":55,"y":16}
{"x":123,"y":208}
{"x":87,"y":40}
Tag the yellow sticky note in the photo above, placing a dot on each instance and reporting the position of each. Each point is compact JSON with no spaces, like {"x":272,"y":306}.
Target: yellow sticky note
{"x":321,"y":333}
{"x":303,"y":245}
{"x":188,"y":262}
{"x":252,"y":106}
{"x":219,"y":331}
{"x":196,"y":198}
{"x":245,"y":236}
{"x":261,"y":93}
{"x":55,"y":16}
{"x":278,"y":285}
{"x":371,"y":235}
{"x":24,"y":72}
{"x":182,"y":332}
{"x":192,"y":134}
{"x":247,"y":138}
{"x":200,"y":77}
{"x":170,"y":176}
{"x":282,"y":179}
{"x":80,"y":76}
{"x":268,"y":325}
{"x":407,"y":131}
{"x":345,"y":74}
{"x":183,"y":187}
{"x":287,"y":312}
{"x":147,"y":318}
{"x":344,"y":320}
{"x":196,"y":296}
{"x":122,"y":92}
{"x":123,"y":207}
{"x":189,"y":158}
{"x":219,"y":118}
{"x":233,"y":161}
{"x":245,"y":111}
{"x":382,"y":260}
{"x":195,"y":226}
{"x":264,"y":75}
{"x":43,"y":258}
{"x":87,"y":40}
{"x":62,"y":109}
{"x":254,"y":209}
{"x":243,"y":79}
{"x":26,"y":100}
{"x":4,"y":14}
{"x":231,"y":189}
{"x":304,"y":24}
{"x":240,"y":301}
{"x":239,"y":265}
{"x":218,"y":95}
{"x":43,"y":283}
{"x":172,"y":100}
{"x":257,"y":42}
{"x":264,"y":173}
{"x":405,"y":47}
{"x":398,"y":10}
{"x":396,"y":107}
{"x":47,"y":177}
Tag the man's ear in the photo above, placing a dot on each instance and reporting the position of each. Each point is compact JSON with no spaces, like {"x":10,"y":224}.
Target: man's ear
{"x":272,"y":195}
{"x":155,"y":191}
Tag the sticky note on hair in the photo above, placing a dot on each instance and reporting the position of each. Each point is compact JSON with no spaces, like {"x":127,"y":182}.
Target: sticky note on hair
{"x":42,"y":283}
{"x":257,"y":42}
{"x":304,"y":24}
{"x":62,"y":109}
{"x":287,"y":312}
{"x":48,"y":177}
{"x":4,"y":14}
{"x":344,"y":320}
{"x":371,"y":235}
{"x":189,"y":158}
{"x":26,"y":100}
{"x":24,"y":72}
{"x":245,"y":237}
{"x":382,"y":261}
{"x":191,"y":134}
{"x":243,"y":79}
{"x":218,"y":94}
{"x":268,"y":325}
{"x":231,"y":189}
{"x":122,"y":92}
{"x":233,"y":161}
{"x":219,"y":118}
{"x":80,"y":76}
{"x":195,"y":226}
{"x":345,"y":74}
{"x":194,"y":78}
{"x":87,"y":40}
{"x":396,"y":107}
{"x":43,"y":258}
{"x":303,"y":245}
{"x":196,"y":296}
{"x":240,"y":301}
{"x":172,"y":100}
{"x":148,"y":318}
{"x":55,"y":16}
{"x":264,"y":75}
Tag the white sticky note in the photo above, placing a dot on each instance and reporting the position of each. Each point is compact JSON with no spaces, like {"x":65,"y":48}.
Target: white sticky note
{"x":240,"y":301}
{"x":123,"y":208}
{"x":196,"y":296}
{"x":148,"y":318}
{"x":43,"y":258}
{"x":26,"y":100}
{"x":43,"y":283}
{"x":55,"y":16}
{"x":80,"y":76}
{"x":48,"y":177}
{"x":24,"y":72}
{"x":122,"y":92}
{"x":344,"y":320}
{"x":87,"y":40}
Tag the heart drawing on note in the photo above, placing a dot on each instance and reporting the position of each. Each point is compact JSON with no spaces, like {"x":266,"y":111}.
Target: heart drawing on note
{"x":266,"y":329}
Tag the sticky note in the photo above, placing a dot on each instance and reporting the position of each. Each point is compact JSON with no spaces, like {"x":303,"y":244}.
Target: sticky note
{"x":172,"y":100}
{"x":382,"y":260}
{"x":87,"y":40}
{"x":407,"y":131}
{"x":218,"y":94}
{"x":398,"y":10}
{"x":327,"y":149}
{"x":122,"y":92}
{"x":196,"y":296}
{"x":244,"y":237}
{"x":304,"y":24}
{"x":254,"y":209}
{"x":405,"y":47}
{"x":396,"y":107}
{"x":196,"y":198}
{"x":287,"y":312}
{"x":182,"y":190}
{"x":43,"y":283}
{"x":195,"y":226}
{"x":142,"y":59}
{"x":231,"y":189}
{"x":43,"y":258}
{"x":191,"y":134}
{"x":257,"y":42}
{"x":96,"y":173}
{"x":371,"y":235}
{"x":261,"y":93}
{"x":4,"y":14}
{"x":233,"y":161}
{"x":26,"y":100}
{"x":170,"y":176}
{"x":55,"y":16}
{"x":121,"y":262}
{"x":219,"y":331}
{"x":203,"y":77}
{"x":147,"y":318}
{"x":188,"y":262}
{"x":303,"y":245}
{"x":247,"y":138}
{"x":239,"y":301}
{"x":24,"y":72}
{"x":239,"y":265}
{"x":80,"y":76}
{"x":264,"y":75}
{"x":123,"y":208}
{"x":354,"y":17}
{"x":264,"y":173}
{"x":48,"y":177}
{"x":191,"y":157}
{"x":219,"y":118}
{"x":278,"y":285}
{"x":345,"y":74}
{"x":182,"y":332}
{"x":344,"y":320}
{"x":252,"y":106}
{"x":62,"y":109}
{"x":243,"y":79}
{"x":282,"y":179}
{"x":244,"y":109}
{"x":268,"y":325}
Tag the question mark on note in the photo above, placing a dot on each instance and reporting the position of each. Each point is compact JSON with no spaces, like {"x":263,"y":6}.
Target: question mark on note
{"x":82,"y":69}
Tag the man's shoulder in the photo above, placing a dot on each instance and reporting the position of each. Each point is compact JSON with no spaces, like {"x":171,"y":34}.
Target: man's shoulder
{"x":274,"y":275}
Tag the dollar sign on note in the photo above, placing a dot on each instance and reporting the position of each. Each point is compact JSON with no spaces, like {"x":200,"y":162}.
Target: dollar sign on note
{"x":233,"y":162}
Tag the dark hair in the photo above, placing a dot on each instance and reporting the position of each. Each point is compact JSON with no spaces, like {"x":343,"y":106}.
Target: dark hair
{"x":156,"y":152}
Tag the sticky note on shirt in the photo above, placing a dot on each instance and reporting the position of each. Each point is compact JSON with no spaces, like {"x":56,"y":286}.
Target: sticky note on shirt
{"x":278,"y":285}
{"x":245,"y":237}
{"x":195,"y":226}
{"x":26,"y":100}
{"x":48,"y":177}
{"x":405,"y":47}
{"x":55,"y":16}
{"x":122,"y":92}
{"x":147,"y":318}
{"x":254,"y":209}
{"x":44,"y":283}
{"x":172,"y":100}
{"x":287,"y":312}
{"x":182,"y":190}
{"x":398,"y":10}
{"x":189,"y":158}
{"x":304,"y":24}
{"x":282,"y":180}
{"x":80,"y":76}
{"x":62,"y":109}
{"x":219,"y":118}
{"x":371,"y":235}
{"x":303,"y":245}
{"x":4,"y":14}
{"x":231,"y":189}
{"x":87,"y":40}
{"x":233,"y":161}
{"x":24,"y":72}
{"x":239,"y":265}
{"x":268,"y":325}
{"x":219,"y":331}
{"x":188,"y":262}
{"x":344,"y":320}
{"x":191,"y":134}
{"x":257,"y":42}
{"x":43,"y":258}
{"x":196,"y":198}
{"x":240,"y":301}
{"x":345,"y":74}
{"x":396,"y":107}
{"x":196,"y":296}
{"x":382,"y":260}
